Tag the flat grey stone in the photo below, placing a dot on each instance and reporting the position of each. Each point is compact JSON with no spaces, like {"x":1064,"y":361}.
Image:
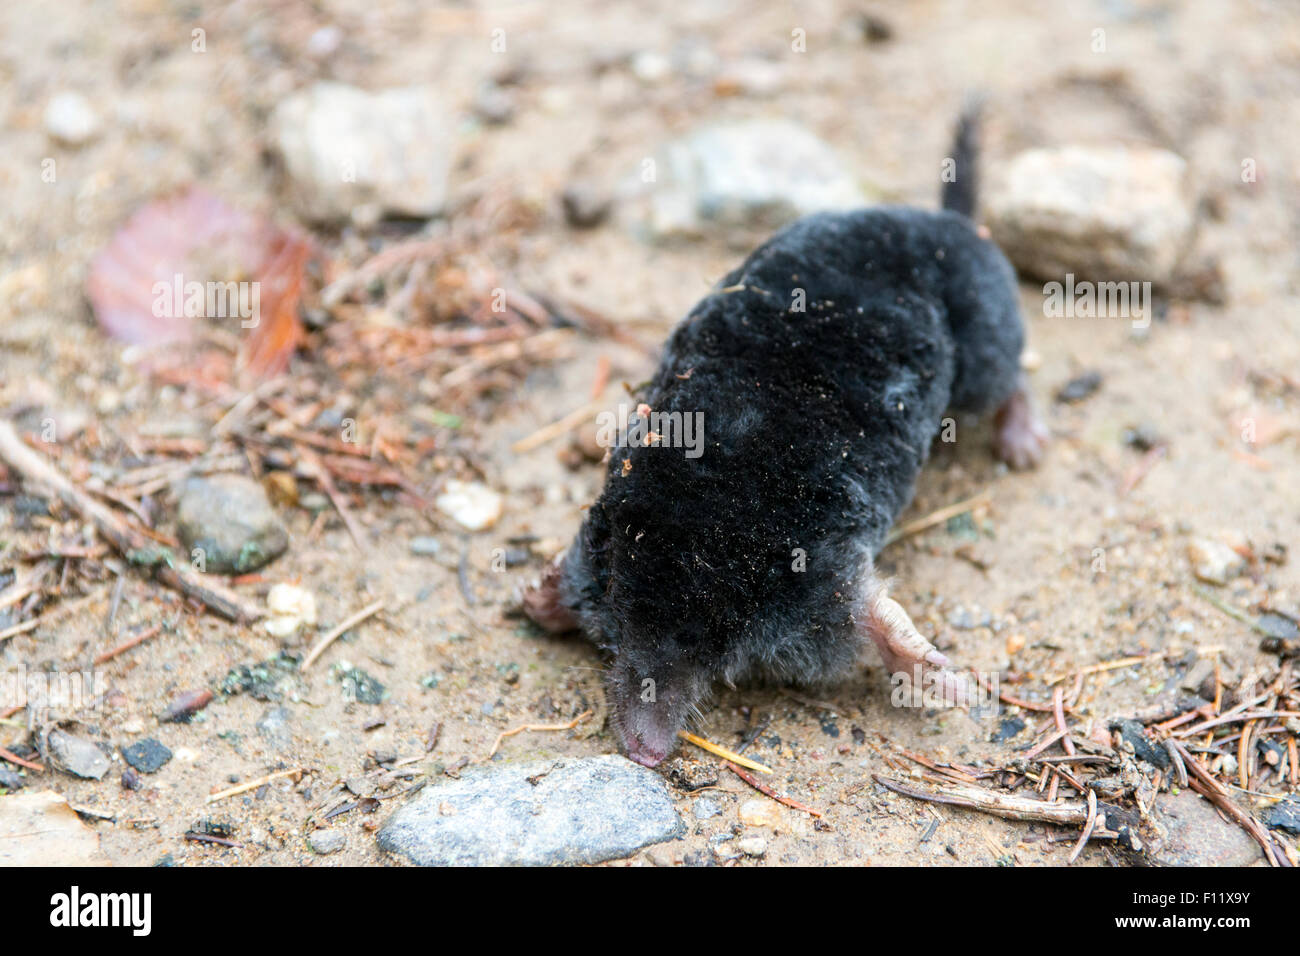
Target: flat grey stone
{"x":538,"y":813}
{"x":77,"y":756}
{"x":1190,"y":832}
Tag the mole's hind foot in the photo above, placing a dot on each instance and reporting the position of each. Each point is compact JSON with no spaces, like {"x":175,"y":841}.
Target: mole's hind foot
{"x":908,"y":653}
{"x":1020,"y":437}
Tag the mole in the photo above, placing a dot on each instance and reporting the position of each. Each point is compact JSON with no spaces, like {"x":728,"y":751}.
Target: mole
{"x":817,"y":374}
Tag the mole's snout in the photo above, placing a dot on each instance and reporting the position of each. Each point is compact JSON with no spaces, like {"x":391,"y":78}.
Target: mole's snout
{"x":645,"y":753}
{"x":649,"y":731}
{"x":648,"y":713}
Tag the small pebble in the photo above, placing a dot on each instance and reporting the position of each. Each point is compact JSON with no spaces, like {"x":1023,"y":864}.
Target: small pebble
{"x":77,"y":756}
{"x":147,"y":756}
{"x":760,"y":813}
{"x":425,"y":547}
{"x":186,"y":705}
{"x":325,"y":842}
{"x":585,"y":206}
{"x":493,"y":105}
{"x":705,"y":807}
{"x":1079,"y":387}
{"x":472,"y":505}
{"x":1214,"y":562}
{"x":70,"y":119}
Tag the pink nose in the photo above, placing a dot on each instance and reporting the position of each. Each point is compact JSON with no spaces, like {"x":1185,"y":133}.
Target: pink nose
{"x":645,"y":754}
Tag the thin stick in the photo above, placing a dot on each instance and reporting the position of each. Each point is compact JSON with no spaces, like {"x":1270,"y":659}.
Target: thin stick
{"x":14,"y":758}
{"x":990,"y":801}
{"x":251,"y":785}
{"x":934,"y":518}
{"x":1087,"y":827}
{"x":128,"y":644}
{"x":368,"y":611}
{"x":1105,"y":666}
{"x":769,"y":792}
{"x":205,"y":838}
{"x":1231,"y":718}
{"x":557,"y":428}
{"x":22,"y":628}
{"x":127,"y":541}
{"x":1141,"y":470}
{"x":1235,"y":613}
{"x":722,"y":752}
{"x":1014,"y":701}
{"x":523,"y":727}
{"x":1243,"y":755}
{"x":1044,"y":745}
{"x":1058,"y":709}
{"x":322,"y":475}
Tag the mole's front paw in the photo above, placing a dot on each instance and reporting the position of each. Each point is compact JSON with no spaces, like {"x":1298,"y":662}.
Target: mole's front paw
{"x":906,"y":651}
{"x":541,"y":601}
{"x":1020,"y":437}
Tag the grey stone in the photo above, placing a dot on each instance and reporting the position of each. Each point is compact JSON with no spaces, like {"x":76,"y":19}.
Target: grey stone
{"x":231,"y":520}
{"x":494,"y":105}
{"x":1284,"y":815}
{"x":273,"y":726}
{"x":759,"y":174}
{"x":77,"y":756}
{"x":326,"y":842}
{"x":11,"y":779}
{"x":345,"y":148}
{"x":705,"y":807}
{"x":425,"y":546}
{"x":1190,"y":832}
{"x":147,"y":756}
{"x":1116,"y":213}
{"x":362,"y":687}
{"x":536,"y":813}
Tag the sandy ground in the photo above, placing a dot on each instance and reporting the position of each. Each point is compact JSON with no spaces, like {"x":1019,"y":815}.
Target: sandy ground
{"x":1216,"y":82}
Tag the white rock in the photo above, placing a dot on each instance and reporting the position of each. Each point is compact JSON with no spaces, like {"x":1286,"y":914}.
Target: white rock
{"x":651,"y":68}
{"x":71,"y":119}
{"x":1213,"y":561}
{"x":470,"y":504}
{"x":290,"y":608}
{"x":344,"y":147}
{"x":751,"y":77}
{"x":1102,"y":213}
{"x":759,"y":174}
{"x":752,"y":846}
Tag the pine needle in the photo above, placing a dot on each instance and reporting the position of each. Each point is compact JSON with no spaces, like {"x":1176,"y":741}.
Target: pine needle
{"x":722,"y":752}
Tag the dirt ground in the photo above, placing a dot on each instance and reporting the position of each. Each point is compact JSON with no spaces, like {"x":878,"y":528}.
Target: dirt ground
{"x":1018,"y":589}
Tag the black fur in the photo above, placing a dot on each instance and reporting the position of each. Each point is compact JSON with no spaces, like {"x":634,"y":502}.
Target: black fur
{"x":816,"y":423}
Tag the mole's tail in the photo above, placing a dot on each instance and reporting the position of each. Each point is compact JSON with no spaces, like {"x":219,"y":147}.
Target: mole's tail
{"x":961,"y":181}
